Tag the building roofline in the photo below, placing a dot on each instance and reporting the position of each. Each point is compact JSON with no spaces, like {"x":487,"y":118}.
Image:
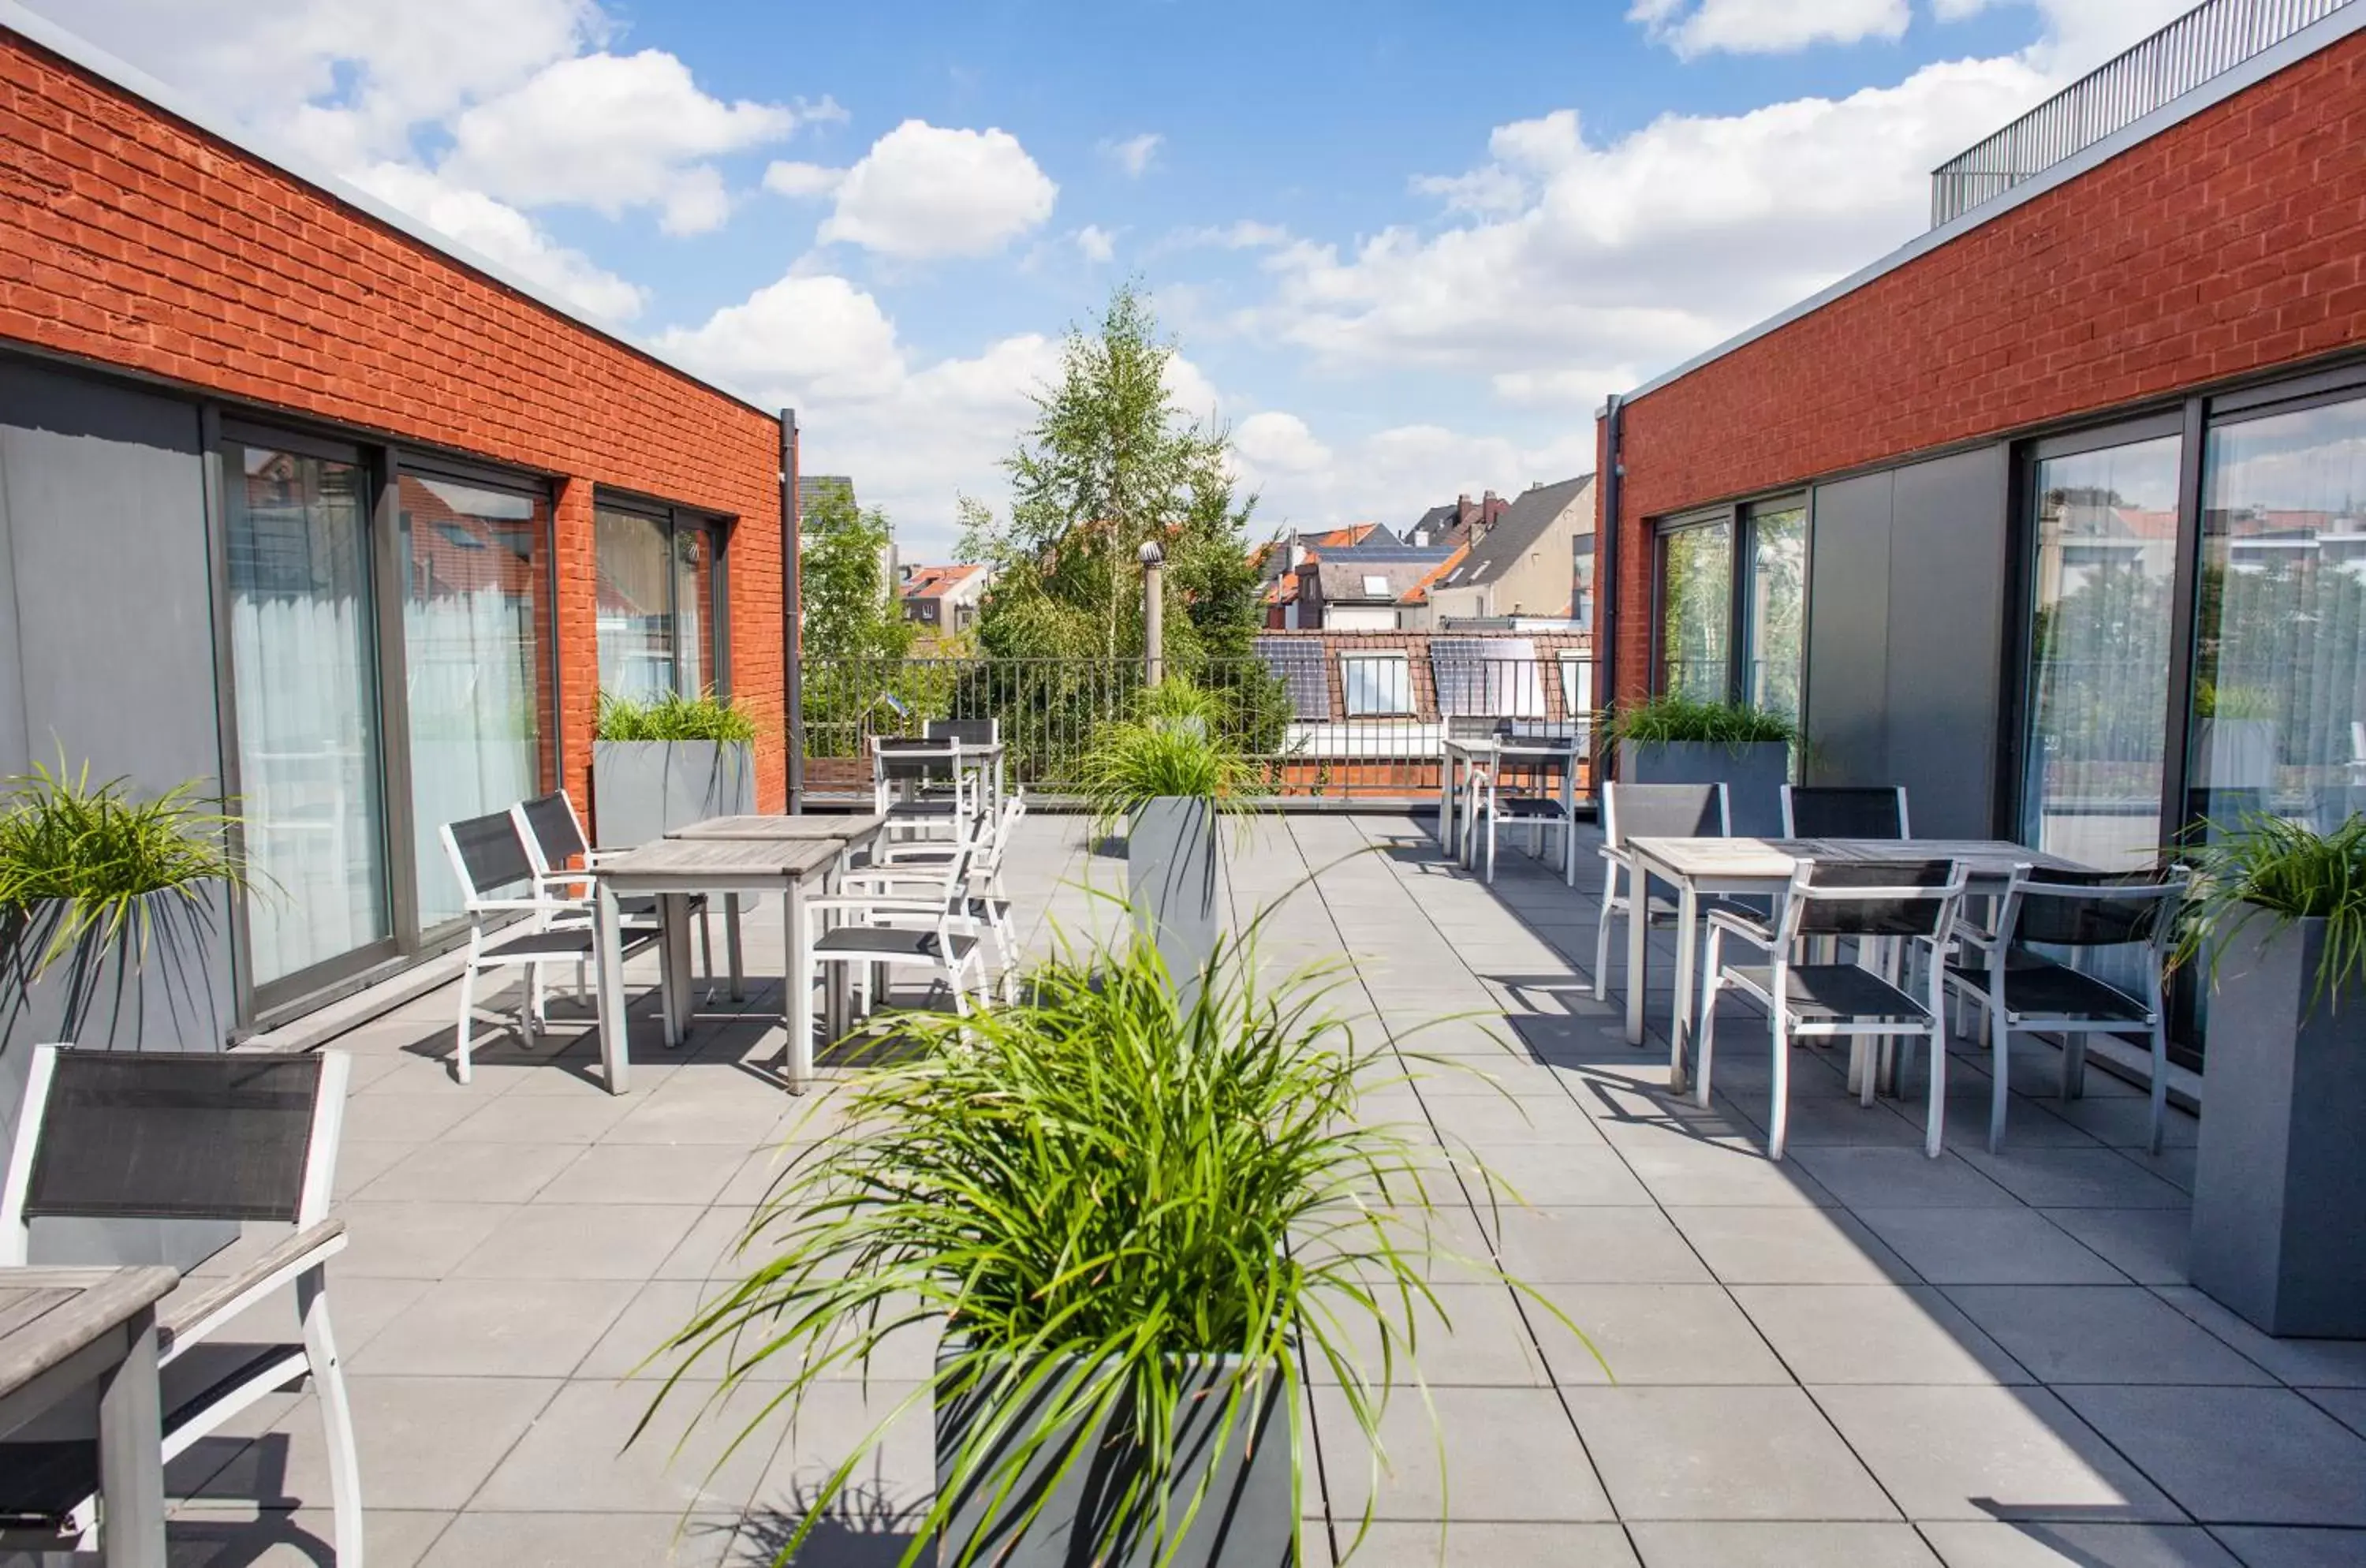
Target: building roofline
{"x":85,"y":56}
{"x":2318,"y":34}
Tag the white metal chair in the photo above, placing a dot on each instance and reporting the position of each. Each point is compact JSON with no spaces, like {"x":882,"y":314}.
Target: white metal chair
{"x":922,"y":789}
{"x":1540,"y":814}
{"x":2023,"y":992}
{"x":1650,"y":811}
{"x":989,"y":907}
{"x":157,"y":1135}
{"x":489,"y":857}
{"x":1910,"y":901}
{"x":554,"y":842}
{"x":920,"y":917}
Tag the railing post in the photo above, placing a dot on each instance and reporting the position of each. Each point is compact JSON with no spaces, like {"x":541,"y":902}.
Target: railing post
{"x":1153,"y":612}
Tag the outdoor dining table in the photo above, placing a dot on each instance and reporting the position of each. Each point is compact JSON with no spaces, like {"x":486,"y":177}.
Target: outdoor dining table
{"x":64,"y":1328}
{"x":1762,"y":868}
{"x":1458,"y":753}
{"x":672,"y":869}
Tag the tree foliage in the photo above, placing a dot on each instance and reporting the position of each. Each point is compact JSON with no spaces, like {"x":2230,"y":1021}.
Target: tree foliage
{"x":850,"y":609}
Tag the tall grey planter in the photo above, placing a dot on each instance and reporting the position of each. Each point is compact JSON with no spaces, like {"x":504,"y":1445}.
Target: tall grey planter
{"x":643,"y":789}
{"x":1170,"y":880}
{"x":1244,"y":1521}
{"x":175,"y":997}
{"x":1753,"y":775}
{"x":2279,"y":1180}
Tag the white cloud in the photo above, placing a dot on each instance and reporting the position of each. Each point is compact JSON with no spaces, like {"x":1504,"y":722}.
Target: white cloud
{"x":925,"y":190}
{"x":2078,"y":35}
{"x":1097,"y":244}
{"x":504,"y":234}
{"x":1276,"y":443}
{"x":798,"y":180}
{"x":1389,"y":475}
{"x":612,"y":132}
{"x":1135,"y":154}
{"x":1766,"y":26}
{"x":817,"y":335}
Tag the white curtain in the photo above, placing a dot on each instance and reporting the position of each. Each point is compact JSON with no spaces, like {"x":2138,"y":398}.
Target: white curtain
{"x":474,"y":747}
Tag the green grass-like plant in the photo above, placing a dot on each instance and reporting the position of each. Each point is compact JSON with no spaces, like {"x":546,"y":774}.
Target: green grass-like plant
{"x":1082,"y":1187}
{"x":673,"y":716}
{"x":1174,"y":747}
{"x":1668,"y":720}
{"x":2264,"y":868}
{"x":1179,"y":701}
{"x":80,"y":862}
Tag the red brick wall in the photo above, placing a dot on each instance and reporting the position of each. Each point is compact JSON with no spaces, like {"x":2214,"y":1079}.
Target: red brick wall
{"x":2232,"y":242}
{"x":132,"y":239}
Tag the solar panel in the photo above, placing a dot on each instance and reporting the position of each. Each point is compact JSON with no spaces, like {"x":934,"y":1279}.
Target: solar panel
{"x":1299,"y":662}
{"x":1490,"y":677}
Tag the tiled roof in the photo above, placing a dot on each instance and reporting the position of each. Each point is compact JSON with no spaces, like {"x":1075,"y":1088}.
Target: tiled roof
{"x":1523,"y":522}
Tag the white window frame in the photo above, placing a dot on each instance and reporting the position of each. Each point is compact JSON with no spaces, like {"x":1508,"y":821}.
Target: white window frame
{"x":1577,"y":689}
{"x":1350,"y":676}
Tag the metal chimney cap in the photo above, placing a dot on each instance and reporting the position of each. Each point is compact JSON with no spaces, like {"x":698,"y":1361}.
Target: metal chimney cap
{"x":1151,"y":555}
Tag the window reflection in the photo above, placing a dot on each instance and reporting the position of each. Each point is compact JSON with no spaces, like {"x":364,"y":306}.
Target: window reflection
{"x":1778,"y":577}
{"x":1696,"y":600}
{"x":656,"y":606}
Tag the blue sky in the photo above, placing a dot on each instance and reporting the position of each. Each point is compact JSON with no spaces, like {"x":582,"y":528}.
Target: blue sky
{"x":1406,"y":247}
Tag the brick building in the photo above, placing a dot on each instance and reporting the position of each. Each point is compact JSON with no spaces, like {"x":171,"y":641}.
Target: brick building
{"x":2058,"y":515}
{"x":299,"y":498}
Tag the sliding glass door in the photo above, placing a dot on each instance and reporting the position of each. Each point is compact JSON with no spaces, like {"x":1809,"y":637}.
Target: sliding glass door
{"x":2104,"y":576}
{"x":302,"y":646}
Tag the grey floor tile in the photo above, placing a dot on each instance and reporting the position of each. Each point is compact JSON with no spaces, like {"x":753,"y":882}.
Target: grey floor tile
{"x":894,"y":1480}
{"x":2121,"y":1334}
{"x":742,"y":1111}
{"x":425,"y":1443}
{"x":374,"y":1117}
{"x":2267,"y":1546}
{"x":1511,"y":1455}
{"x":1898,"y":1178}
{"x":1554,"y":1176}
{"x":1789,"y":1245}
{"x":646,"y":1173}
{"x":359,"y":1164}
{"x":1481,"y":1341}
{"x":2237,"y":1455}
{"x":582,"y":1241}
{"x":709,"y":1248}
{"x":542,"y":1119}
{"x":1989,"y":1453}
{"x":1578,"y":1247}
{"x":584,"y":1540}
{"x":2126,"y":1122}
{"x":526,"y":1328}
{"x":1874,"y":1334}
{"x":210,"y":1534}
{"x":1651,"y":1334}
{"x":2075,"y":1178}
{"x":2304,"y":1363}
{"x":1493,"y":1121}
{"x":1398,"y":1544}
{"x":1722,"y":1453}
{"x":2146,"y":1245}
{"x":1693,"y":1171}
{"x":413,"y":1240}
{"x":1989,"y":1246}
{"x":2042,"y":1544}
{"x":2347,"y":1405}
{"x":576,"y":1460}
{"x":449,"y":1172}
{"x":1780,"y":1544}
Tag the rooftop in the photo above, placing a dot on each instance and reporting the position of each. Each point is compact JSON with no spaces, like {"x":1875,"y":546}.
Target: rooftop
{"x":1854,"y":1357}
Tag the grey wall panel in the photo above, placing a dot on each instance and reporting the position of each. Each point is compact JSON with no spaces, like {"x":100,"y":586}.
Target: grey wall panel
{"x":1946,"y":618}
{"x":14,"y":753}
{"x":1848,"y":632}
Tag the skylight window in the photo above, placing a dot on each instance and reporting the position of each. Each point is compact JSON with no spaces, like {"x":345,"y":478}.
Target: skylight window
{"x":1376,"y":587}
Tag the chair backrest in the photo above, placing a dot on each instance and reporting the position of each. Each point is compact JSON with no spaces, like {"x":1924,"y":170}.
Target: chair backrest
{"x":1844,"y":811}
{"x":924,"y":760}
{"x":173,"y":1135}
{"x":2089,"y":909}
{"x":550,"y":830}
{"x":487,"y":852}
{"x":1662,"y":811}
{"x":968,"y":731}
{"x":1470,"y":727}
{"x":1894,"y":898}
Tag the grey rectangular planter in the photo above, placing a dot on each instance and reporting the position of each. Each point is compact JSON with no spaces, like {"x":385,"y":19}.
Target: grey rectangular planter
{"x":1754,"y":774}
{"x":1170,"y":880}
{"x":643,"y":789}
{"x":175,"y":997}
{"x":1246,"y":1520}
{"x":2279,"y":1179}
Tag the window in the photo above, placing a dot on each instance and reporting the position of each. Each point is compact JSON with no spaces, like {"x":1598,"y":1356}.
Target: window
{"x":1577,"y":689}
{"x":476,"y":657}
{"x":658,"y":604}
{"x":304,"y":664}
{"x":1776,"y":605}
{"x":1580,"y":593}
{"x":2103,"y":577}
{"x":1376,"y":587}
{"x":1376,"y":683}
{"x":1696,"y":610}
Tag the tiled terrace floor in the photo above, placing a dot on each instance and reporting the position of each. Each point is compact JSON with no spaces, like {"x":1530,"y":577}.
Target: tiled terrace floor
{"x":1857,"y":1357}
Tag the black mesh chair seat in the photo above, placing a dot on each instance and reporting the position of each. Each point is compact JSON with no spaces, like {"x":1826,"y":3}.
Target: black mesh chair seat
{"x":895,"y":943}
{"x":1832,"y":993}
{"x":2038,"y":988}
{"x":989,"y":908}
{"x":968,"y":731}
{"x":1530,"y":808}
{"x":565,"y":941}
{"x":914,"y":810}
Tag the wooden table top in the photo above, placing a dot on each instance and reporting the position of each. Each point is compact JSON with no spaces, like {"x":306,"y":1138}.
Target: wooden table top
{"x":48,"y":1314}
{"x":686,"y":861}
{"x":1772,"y":859}
{"x":784,"y":830}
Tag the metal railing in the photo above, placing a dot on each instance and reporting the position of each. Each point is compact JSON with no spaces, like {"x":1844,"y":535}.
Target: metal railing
{"x":2207,"y":40}
{"x":1297,"y":722}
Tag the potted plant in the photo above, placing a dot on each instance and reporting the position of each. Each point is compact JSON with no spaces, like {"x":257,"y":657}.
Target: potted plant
{"x":110,"y":905}
{"x":2234,"y":737}
{"x":1163,"y":775}
{"x":1137,"y":1224}
{"x":2279,"y":914}
{"x":663,"y":762}
{"x":1680,"y":741}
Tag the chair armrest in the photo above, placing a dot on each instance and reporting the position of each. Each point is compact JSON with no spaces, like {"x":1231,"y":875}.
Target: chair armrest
{"x":1747,"y":931}
{"x":189,"y":1314}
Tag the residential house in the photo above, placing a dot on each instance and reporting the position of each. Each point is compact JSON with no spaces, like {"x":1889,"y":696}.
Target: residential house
{"x":944,"y":601}
{"x":1277,"y":561}
{"x":1462,"y":522}
{"x":1525,"y":563}
{"x":1363,"y":587}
